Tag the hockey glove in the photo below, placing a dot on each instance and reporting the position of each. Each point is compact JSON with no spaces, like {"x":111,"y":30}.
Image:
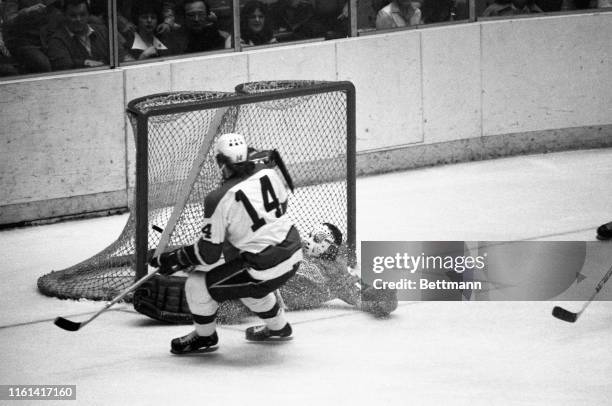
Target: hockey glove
{"x":379,"y":302}
{"x":171,"y":262}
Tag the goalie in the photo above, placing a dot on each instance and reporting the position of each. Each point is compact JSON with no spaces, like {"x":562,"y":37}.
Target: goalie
{"x":323,"y":275}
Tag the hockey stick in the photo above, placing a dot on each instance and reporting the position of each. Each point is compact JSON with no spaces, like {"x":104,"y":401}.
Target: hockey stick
{"x":571,"y":317}
{"x":74,"y":326}
{"x":69,"y":325}
{"x":281,"y":165}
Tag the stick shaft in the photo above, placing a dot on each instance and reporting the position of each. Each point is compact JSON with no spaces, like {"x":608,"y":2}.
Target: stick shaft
{"x":562,"y":313}
{"x":603,"y":281}
{"x":599,"y":286}
{"x":120,"y":297}
{"x":190,"y":180}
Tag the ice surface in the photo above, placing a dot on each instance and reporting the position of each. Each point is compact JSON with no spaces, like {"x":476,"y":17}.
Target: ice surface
{"x":426,"y":353}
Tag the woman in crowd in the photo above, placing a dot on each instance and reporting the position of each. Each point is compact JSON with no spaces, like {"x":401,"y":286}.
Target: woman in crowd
{"x":255,"y":26}
{"x":145,"y":44}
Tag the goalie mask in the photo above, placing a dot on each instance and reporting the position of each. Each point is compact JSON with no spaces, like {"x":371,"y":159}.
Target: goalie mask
{"x":230,"y":149}
{"x":323,"y":241}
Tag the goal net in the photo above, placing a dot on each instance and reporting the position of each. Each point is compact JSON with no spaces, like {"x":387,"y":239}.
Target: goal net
{"x":311,"y":124}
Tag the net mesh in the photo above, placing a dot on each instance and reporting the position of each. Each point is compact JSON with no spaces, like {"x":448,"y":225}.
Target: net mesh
{"x":310,"y":132}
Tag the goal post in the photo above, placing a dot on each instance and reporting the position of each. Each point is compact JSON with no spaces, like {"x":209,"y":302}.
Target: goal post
{"x":310,"y":123}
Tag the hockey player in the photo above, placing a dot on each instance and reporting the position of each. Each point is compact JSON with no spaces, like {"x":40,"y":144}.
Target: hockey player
{"x":247,"y":249}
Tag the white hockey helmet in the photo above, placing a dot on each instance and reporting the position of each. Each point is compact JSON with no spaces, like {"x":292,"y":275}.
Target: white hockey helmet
{"x":231,"y":148}
{"x":323,"y":241}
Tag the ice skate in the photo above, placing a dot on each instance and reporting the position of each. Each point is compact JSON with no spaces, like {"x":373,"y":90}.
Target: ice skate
{"x":194,"y":343}
{"x":263,"y":333}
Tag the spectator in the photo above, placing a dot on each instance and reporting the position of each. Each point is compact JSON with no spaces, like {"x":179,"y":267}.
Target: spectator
{"x":199,"y":32}
{"x":7,"y":63}
{"x":549,"y":5}
{"x":511,"y":7}
{"x":333,"y":15}
{"x":255,"y":26}
{"x":297,"y":20}
{"x":144,"y":43}
{"x":399,"y":13}
{"x":27,"y":27}
{"x":78,"y":44}
{"x":526,"y":7}
{"x":367,"y":11}
{"x":173,"y":17}
{"x":500,"y":8}
{"x":99,"y":15}
{"x":583,"y":4}
{"x":222,"y":10}
{"x":169,"y":21}
{"x":436,"y":11}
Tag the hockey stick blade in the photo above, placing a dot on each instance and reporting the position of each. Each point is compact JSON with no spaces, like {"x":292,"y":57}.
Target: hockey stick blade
{"x":67,"y":324}
{"x":571,"y":317}
{"x":74,"y":326}
{"x":564,"y":314}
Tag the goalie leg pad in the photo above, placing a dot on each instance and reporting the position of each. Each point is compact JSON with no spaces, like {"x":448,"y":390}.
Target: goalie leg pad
{"x":163,"y":298}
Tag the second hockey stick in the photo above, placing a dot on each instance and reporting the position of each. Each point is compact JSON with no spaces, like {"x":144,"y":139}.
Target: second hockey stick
{"x":571,"y":317}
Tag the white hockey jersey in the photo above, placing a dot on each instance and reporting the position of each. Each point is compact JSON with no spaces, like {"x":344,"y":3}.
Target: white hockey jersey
{"x":250,"y":214}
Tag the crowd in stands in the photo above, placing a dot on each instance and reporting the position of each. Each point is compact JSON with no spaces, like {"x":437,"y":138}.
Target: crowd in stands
{"x":495,"y":8}
{"x":50,"y":35}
